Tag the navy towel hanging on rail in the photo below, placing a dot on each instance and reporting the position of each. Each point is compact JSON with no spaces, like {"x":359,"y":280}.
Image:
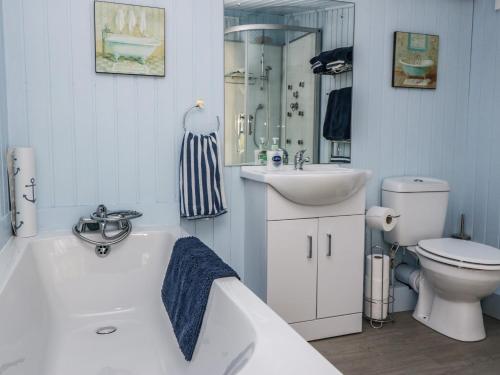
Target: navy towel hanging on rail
{"x":201,"y":182}
{"x":337,"y":126}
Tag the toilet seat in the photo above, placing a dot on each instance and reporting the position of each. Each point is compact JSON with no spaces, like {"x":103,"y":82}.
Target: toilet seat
{"x":462,"y":254}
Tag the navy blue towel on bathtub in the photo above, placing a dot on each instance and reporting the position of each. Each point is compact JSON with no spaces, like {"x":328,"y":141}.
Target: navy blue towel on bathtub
{"x":192,"y":269}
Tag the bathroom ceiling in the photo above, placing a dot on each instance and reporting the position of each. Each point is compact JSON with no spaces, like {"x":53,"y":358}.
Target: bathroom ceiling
{"x":281,"y":7}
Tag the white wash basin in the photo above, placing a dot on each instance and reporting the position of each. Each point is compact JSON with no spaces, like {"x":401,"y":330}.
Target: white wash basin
{"x":315,"y":185}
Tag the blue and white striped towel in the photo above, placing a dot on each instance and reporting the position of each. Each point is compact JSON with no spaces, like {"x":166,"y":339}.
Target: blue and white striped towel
{"x":201,"y":182}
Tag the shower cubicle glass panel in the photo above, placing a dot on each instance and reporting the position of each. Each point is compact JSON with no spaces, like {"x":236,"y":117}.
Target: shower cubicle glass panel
{"x":270,"y":95}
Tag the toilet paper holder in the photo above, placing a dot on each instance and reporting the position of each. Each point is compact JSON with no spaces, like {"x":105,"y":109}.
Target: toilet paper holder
{"x":378,"y":305}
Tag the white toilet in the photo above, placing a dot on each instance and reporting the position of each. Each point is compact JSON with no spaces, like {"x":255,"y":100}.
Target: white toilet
{"x":456,"y":274}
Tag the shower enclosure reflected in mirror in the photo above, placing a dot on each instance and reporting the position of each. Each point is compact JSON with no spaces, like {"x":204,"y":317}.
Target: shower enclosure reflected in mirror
{"x":288,"y":79}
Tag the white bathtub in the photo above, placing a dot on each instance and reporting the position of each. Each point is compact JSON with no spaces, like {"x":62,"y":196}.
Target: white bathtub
{"x":131,"y":47}
{"x":55,"y":292}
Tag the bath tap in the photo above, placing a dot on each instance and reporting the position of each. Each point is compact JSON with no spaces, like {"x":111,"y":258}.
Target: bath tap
{"x":300,"y":159}
{"x":103,"y":221}
{"x":86,"y":224}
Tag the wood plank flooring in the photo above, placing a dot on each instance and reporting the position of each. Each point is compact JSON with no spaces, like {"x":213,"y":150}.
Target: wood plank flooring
{"x":407,"y":347}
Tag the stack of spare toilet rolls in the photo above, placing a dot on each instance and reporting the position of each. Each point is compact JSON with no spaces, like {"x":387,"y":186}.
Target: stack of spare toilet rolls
{"x":377,"y":286}
{"x":22,"y":188}
{"x":378,"y":266}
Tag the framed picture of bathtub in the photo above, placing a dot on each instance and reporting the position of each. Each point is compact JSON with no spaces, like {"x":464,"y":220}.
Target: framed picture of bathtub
{"x":415,"y":60}
{"x":129,"y":39}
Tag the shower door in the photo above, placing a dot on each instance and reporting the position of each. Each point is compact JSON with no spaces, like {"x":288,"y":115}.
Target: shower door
{"x":300,"y":100}
{"x":270,"y":93}
{"x":263,"y":89}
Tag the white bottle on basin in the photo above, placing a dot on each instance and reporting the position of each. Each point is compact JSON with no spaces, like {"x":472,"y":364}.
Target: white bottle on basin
{"x":275,"y":156}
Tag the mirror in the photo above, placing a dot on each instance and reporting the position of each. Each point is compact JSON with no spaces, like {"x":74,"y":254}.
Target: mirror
{"x":288,"y":79}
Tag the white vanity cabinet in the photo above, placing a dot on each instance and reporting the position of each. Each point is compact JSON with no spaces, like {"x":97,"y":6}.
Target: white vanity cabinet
{"x":306,"y":262}
{"x":293,"y":258}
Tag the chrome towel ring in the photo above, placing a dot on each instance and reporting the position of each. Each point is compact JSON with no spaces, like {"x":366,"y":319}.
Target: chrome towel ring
{"x":200,"y":104}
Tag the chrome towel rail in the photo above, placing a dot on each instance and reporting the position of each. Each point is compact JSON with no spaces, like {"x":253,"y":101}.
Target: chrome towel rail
{"x":200,"y":104}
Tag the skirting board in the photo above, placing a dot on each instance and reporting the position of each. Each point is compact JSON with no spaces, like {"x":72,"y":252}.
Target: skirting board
{"x":491,"y":306}
{"x":329,"y":327}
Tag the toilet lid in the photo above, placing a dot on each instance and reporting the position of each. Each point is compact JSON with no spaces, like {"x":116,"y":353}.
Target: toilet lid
{"x":463,"y":251}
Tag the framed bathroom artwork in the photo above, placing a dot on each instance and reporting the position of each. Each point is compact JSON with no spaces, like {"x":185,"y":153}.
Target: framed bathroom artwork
{"x":129,"y":39}
{"x":415,"y":62}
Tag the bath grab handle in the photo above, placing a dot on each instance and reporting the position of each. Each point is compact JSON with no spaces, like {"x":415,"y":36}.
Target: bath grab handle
{"x":310,"y":250}
{"x":329,"y":253}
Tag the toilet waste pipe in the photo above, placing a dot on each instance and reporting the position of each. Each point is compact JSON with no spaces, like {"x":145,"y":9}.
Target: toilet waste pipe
{"x":408,"y":275}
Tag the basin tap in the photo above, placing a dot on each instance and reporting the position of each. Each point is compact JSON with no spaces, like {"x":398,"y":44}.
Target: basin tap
{"x":300,"y":159}
{"x":285,"y":156}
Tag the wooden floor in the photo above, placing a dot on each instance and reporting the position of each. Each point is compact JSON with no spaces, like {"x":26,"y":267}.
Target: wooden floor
{"x":407,"y":347}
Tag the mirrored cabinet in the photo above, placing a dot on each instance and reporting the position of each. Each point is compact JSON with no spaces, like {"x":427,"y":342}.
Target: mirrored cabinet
{"x":288,"y":80}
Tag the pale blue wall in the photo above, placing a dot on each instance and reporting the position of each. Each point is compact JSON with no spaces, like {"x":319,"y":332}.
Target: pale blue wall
{"x":481,"y":166}
{"x":115,"y":140}
{"x":337,"y":25}
{"x":411,"y":131}
{"x":4,"y":205}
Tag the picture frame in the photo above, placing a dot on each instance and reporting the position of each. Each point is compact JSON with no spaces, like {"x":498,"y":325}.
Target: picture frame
{"x":129,"y":39}
{"x":415,"y":60}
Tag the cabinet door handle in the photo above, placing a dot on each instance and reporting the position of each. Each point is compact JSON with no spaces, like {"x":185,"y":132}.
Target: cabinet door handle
{"x":310,"y":250}
{"x":329,"y":253}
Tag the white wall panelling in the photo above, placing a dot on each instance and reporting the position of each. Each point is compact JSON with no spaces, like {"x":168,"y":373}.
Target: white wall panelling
{"x":4,"y":204}
{"x":483,"y":135}
{"x":337,"y":25}
{"x":280,"y":7}
{"x":481,"y":162}
{"x":115,"y":139}
{"x":409,"y":131}
{"x":112,"y":139}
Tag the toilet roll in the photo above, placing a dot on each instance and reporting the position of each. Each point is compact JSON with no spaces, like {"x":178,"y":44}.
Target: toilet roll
{"x":379,"y":265}
{"x":376,"y":310}
{"x":377,"y":286}
{"x":381,"y":218}
{"x":22,"y":175}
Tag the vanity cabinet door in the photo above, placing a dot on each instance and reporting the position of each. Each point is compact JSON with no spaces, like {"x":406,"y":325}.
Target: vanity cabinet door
{"x":340,"y":265}
{"x":292,"y":268}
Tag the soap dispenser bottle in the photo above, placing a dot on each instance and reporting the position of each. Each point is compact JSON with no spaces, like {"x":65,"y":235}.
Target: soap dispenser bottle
{"x":261,"y":153}
{"x":275,"y":156}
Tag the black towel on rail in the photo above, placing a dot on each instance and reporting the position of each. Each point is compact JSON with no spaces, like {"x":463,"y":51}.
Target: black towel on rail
{"x":342,"y":56}
{"x":337,"y":126}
